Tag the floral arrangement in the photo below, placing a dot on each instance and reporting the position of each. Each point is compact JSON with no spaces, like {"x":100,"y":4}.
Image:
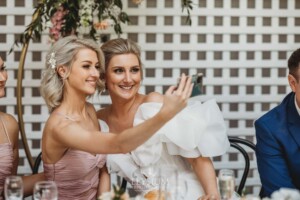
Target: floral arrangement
{"x":67,"y":17}
{"x":85,"y":17}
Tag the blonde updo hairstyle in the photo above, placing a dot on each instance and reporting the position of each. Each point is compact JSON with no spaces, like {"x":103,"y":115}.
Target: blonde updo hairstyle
{"x":64,"y":52}
{"x":120,"y":46}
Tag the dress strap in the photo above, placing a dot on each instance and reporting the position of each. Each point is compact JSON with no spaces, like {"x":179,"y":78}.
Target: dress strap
{"x":5,"y":130}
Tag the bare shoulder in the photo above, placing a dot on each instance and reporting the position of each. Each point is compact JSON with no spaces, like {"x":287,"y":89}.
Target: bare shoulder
{"x":11,"y":123}
{"x":12,"y":127}
{"x":55,"y":124}
{"x":55,"y":133}
{"x":154,"y":97}
{"x":9,"y":119}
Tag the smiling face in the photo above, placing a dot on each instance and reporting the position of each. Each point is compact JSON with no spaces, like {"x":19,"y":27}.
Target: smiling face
{"x":123,"y":76}
{"x":84,"y":74}
{"x":3,"y":78}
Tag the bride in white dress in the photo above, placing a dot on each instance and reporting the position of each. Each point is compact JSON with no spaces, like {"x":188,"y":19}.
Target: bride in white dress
{"x":187,"y":142}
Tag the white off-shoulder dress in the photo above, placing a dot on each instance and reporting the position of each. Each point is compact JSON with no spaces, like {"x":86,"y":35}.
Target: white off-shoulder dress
{"x":198,"y":130}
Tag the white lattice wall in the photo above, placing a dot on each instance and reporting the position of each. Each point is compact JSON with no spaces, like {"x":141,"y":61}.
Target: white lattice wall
{"x":241,"y":46}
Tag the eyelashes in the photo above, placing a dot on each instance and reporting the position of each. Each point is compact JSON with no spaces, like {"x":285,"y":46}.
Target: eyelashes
{"x":120,"y":70}
{"x":89,"y":66}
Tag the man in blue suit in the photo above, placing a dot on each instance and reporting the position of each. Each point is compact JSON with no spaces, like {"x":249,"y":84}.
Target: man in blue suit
{"x":278,"y":138}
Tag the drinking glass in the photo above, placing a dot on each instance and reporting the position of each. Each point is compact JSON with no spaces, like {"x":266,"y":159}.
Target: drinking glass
{"x":168,"y":183}
{"x":145,"y":179}
{"x":13,"y":188}
{"x":45,"y":190}
{"x":226,"y":180}
{"x":182,"y":187}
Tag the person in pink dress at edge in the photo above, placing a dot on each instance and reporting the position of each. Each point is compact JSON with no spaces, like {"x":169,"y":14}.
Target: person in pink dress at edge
{"x":74,"y":149}
{"x":186,"y":142}
{"x":9,"y":130}
{"x":9,"y":151}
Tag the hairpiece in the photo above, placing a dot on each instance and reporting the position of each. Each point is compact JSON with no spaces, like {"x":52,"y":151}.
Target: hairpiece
{"x":52,"y":60}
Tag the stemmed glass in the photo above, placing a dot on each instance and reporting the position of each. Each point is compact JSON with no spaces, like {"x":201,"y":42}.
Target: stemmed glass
{"x":182,"y":187}
{"x":145,"y":179}
{"x":169,"y":188}
{"x":45,"y":190}
{"x":13,"y":188}
{"x":226,"y":180}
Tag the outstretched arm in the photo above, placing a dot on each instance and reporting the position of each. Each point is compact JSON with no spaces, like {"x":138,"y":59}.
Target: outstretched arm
{"x":76,"y":137}
{"x":204,"y":169}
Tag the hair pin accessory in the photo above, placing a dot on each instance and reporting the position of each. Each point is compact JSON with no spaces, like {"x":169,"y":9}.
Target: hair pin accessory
{"x":52,"y":60}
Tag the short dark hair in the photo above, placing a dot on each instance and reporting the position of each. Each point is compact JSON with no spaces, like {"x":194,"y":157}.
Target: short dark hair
{"x":294,"y":63}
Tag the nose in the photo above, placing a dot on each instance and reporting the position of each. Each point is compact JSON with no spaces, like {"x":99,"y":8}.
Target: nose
{"x":95,"y":72}
{"x":127,"y":77}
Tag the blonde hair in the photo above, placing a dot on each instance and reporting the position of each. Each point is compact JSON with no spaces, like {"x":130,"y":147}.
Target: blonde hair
{"x":120,"y":46}
{"x":63,"y":53}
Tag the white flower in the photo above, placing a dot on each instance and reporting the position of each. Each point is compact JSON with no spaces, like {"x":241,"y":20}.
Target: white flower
{"x":286,"y":194}
{"x":115,"y":11}
{"x":52,"y":60}
{"x":85,"y":13}
{"x":105,"y":196}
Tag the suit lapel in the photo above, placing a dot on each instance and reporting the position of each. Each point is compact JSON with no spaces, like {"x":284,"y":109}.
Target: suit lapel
{"x":293,"y":119}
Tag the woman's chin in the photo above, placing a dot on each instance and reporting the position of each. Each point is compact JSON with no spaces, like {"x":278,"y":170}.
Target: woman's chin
{"x":2,"y":93}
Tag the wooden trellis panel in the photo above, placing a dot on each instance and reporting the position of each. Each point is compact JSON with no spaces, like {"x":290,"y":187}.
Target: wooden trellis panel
{"x":241,"y":47}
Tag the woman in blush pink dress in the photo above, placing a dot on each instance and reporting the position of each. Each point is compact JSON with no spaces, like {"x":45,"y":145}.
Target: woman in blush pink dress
{"x":9,"y":131}
{"x":74,"y":149}
{"x":186,"y":142}
{"x":9,"y":151}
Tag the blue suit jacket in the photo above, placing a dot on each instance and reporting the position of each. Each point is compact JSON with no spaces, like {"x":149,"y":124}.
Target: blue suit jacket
{"x":278,"y":147}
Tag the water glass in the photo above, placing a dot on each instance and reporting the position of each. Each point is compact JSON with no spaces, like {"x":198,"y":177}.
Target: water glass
{"x":226,"y":181}
{"x":45,"y":190}
{"x":13,"y":188}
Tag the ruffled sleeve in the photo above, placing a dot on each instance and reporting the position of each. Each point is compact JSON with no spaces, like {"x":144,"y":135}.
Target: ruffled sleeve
{"x":119,"y":164}
{"x":198,"y":130}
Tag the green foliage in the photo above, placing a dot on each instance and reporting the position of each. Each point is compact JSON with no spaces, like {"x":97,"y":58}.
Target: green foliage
{"x":188,"y":6}
{"x":118,"y":192}
{"x":45,"y":9}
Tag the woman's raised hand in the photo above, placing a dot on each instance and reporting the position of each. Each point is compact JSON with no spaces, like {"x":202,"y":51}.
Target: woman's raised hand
{"x":175,"y":98}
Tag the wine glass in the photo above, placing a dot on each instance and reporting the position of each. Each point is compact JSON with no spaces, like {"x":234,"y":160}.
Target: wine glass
{"x":168,"y":184}
{"x":145,"y":179}
{"x":182,"y":187}
{"x":226,"y":180}
{"x":138,"y":181}
{"x":45,"y":190}
{"x":13,"y":188}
